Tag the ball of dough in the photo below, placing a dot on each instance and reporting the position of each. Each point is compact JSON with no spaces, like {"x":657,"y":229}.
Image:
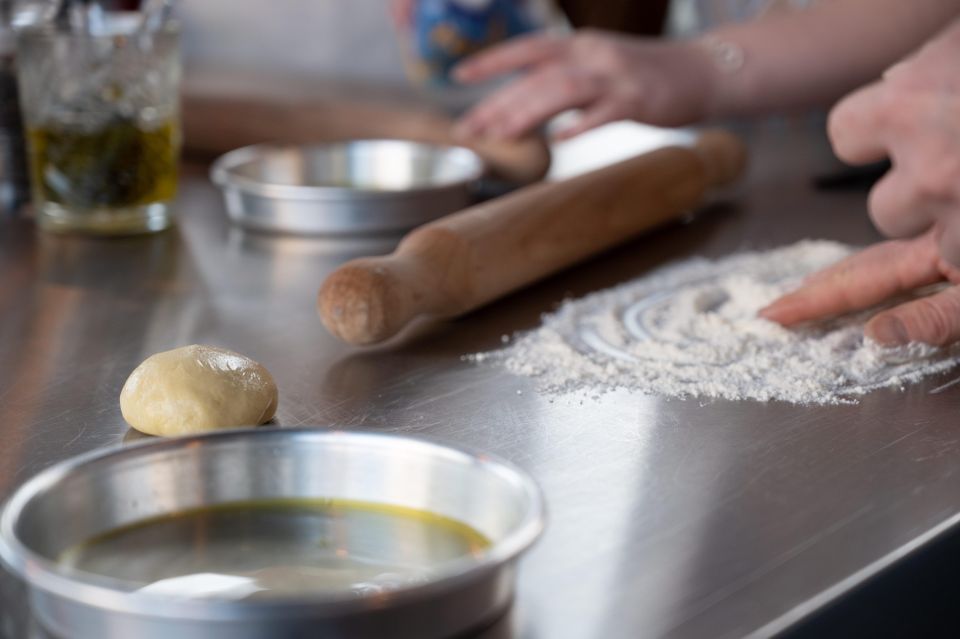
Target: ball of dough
{"x":195,"y":389}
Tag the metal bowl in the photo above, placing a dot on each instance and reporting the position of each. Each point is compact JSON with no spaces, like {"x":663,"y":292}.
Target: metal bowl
{"x":81,"y":498}
{"x":360,"y":186}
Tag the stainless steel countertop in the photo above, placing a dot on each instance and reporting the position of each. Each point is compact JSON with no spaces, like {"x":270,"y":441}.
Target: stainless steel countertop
{"x":667,"y":518}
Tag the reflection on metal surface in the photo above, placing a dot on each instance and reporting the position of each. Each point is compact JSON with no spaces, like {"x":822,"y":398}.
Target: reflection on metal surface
{"x":149,"y":261}
{"x":281,"y":246}
{"x":502,"y":628}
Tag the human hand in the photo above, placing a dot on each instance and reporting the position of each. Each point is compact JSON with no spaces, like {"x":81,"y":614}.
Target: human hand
{"x":913,"y":117}
{"x":875,"y":275}
{"x":610,"y":77}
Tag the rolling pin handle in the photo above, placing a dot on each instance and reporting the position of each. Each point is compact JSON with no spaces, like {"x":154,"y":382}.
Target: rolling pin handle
{"x":364,"y":302}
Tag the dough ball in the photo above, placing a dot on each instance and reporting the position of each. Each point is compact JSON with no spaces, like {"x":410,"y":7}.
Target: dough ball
{"x":195,"y":389}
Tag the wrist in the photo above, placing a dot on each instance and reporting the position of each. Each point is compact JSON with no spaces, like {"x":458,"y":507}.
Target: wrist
{"x":723,"y":60}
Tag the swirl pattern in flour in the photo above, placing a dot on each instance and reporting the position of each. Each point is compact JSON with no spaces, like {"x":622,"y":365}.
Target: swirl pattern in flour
{"x":691,"y":330}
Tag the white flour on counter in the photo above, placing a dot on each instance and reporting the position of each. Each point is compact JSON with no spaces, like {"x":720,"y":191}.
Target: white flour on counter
{"x":691,"y":330}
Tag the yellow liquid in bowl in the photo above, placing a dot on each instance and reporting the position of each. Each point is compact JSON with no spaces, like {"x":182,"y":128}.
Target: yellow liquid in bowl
{"x":278,"y":548}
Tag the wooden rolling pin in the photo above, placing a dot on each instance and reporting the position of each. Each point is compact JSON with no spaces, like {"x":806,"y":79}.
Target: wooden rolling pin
{"x":470,"y":258}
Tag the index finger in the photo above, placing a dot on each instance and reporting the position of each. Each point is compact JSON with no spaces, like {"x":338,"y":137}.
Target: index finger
{"x":855,"y":126}
{"x":510,"y":56}
{"x":860,"y":281}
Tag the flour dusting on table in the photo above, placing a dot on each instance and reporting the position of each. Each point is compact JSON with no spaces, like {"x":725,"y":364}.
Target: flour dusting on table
{"x":691,"y":330}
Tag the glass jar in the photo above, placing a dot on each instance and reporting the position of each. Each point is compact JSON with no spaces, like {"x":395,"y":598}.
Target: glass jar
{"x":103,"y":126}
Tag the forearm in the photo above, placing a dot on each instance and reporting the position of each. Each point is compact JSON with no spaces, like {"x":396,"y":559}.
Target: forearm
{"x":805,"y":58}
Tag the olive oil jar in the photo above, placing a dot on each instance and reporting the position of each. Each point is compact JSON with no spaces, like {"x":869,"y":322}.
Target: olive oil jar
{"x":101,"y":112}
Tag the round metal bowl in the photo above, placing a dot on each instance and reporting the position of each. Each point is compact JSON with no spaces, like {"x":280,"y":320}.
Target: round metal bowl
{"x":78,"y":499}
{"x":359,"y":186}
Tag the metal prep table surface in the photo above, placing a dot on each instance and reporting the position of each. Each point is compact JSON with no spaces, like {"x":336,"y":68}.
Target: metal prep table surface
{"x":667,"y":518}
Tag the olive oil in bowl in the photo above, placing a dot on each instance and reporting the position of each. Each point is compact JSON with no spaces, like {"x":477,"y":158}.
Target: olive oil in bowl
{"x":278,"y":548}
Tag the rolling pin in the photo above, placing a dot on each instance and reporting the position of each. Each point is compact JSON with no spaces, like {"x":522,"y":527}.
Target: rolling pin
{"x":468,"y":259}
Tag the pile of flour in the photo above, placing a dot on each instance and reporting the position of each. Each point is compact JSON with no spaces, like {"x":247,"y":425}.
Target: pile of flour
{"x":692,"y":330}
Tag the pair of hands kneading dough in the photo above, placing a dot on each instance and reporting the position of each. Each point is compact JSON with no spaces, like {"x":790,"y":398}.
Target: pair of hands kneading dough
{"x":196,"y":389}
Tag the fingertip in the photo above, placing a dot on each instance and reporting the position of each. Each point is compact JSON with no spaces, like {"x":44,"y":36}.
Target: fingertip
{"x":769,"y":313}
{"x":896,"y":207}
{"x":888,"y":330}
{"x":463,"y":130}
{"x":895,"y":70}
{"x":502,"y":132}
{"x":582,"y":125}
{"x":507,"y":125}
{"x":836,"y":126}
{"x":854,"y":127}
{"x":949,"y":247}
{"x":505,"y":57}
{"x":474,"y":123}
{"x":778,"y":311}
{"x":465,"y":72}
{"x":932,"y":320}
{"x":802,"y":305}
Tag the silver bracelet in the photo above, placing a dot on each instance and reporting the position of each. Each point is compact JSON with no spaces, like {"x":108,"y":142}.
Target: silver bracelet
{"x":728,"y":56}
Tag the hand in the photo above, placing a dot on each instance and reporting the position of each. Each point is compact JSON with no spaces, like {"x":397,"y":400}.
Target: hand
{"x":913,"y":117}
{"x":875,"y":275}
{"x":610,"y":77}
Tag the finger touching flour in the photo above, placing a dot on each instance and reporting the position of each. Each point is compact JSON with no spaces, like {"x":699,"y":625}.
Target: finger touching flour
{"x":692,"y":330}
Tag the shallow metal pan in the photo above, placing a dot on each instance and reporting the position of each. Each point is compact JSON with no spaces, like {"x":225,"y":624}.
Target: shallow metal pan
{"x":101,"y":491}
{"x":352,"y":187}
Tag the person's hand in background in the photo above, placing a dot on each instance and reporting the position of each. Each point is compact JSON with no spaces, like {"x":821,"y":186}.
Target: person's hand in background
{"x":610,"y":77}
{"x":782,"y":61}
{"x":913,"y":117}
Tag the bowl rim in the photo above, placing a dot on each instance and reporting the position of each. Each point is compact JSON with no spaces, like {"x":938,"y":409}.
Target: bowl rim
{"x":223,"y":172}
{"x":43,"y":573}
